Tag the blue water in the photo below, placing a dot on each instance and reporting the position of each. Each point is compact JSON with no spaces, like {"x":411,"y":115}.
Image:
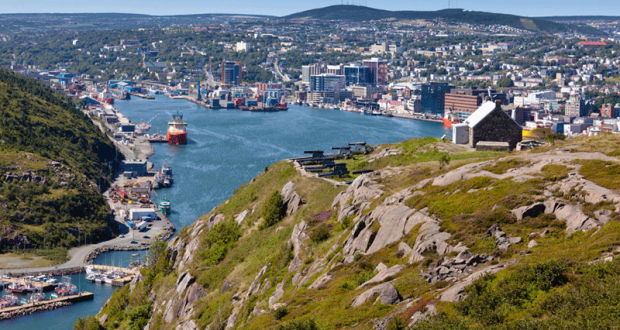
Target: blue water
{"x":225,"y":149}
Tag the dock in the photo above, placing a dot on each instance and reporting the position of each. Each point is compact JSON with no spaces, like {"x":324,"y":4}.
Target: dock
{"x":43,"y":305}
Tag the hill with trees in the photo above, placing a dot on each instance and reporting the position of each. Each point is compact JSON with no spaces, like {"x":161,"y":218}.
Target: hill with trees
{"x":53,"y":163}
{"x":362,"y":13}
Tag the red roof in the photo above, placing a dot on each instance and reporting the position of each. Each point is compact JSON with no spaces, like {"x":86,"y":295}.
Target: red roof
{"x":593,"y":43}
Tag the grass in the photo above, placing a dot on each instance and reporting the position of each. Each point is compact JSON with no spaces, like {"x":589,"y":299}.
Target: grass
{"x":603,"y":173}
{"x":501,"y":167}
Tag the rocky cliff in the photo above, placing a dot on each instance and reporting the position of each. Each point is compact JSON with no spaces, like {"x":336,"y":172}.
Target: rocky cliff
{"x":436,"y":237}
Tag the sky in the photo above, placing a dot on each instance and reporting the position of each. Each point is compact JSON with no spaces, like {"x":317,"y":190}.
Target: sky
{"x":285,"y":7}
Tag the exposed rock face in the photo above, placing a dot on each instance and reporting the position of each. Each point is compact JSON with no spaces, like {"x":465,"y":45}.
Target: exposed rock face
{"x":447,"y":269}
{"x":297,"y":238}
{"x":429,"y":238}
{"x":291,"y":199}
{"x":320,"y":282}
{"x":388,"y":295}
{"x":277,"y":295}
{"x":574,"y":217}
{"x":455,"y":293}
{"x":383,"y":275}
{"x":361,"y":190}
{"x":255,"y":286}
{"x":241,"y":216}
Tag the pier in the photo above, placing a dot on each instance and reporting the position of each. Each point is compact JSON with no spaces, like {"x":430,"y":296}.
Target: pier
{"x":43,"y":305}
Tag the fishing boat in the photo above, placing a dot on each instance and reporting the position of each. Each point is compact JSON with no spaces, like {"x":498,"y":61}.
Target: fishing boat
{"x":9,"y":300}
{"x":164,"y":206}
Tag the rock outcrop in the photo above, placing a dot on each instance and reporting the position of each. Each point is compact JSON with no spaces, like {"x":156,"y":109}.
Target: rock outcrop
{"x":292,"y":201}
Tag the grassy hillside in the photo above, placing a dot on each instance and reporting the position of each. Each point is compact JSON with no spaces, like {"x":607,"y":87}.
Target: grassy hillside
{"x":52,"y":163}
{"x":227,"y":270}
{"x":362,"y":13}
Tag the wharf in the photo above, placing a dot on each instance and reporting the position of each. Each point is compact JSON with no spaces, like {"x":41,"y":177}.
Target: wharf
{"x":44,"y":287}
{"x":158,"y":139}
{"x":144,"y":96}
{"x":43,"y":305}
{"x":418,"y":118}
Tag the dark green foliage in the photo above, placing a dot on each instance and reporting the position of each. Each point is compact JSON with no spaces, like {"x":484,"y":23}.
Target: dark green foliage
{"x":280,"y":312}
{"x":397,"y":323}
{"x":308,"y":324}
{"x":505,"y":83}
{"x":88,"y":323}
{"x":220,"y":239}
{"x":38,"y":126}
{"x":273,"y":210}
{"x":138,"y":317}
{"x":320,"y":234}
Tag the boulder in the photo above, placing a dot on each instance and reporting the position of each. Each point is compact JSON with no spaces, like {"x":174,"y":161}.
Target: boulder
{"x":531,"y":244}
{"x":462,"y":257}
{"x":531,"y":211}
{"x":515,"y":240}
{"x":388,"y":295}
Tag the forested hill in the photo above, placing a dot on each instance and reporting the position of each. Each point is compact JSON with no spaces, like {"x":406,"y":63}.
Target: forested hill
{"x":362,"y":13}
{"x":52,"y":160}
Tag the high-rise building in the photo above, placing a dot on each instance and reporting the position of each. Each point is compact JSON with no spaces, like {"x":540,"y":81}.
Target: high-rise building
{"x":356,"y":74}
{"x":232,"y":73}
{"x":378,"y":70}
{"x":433,"y":97}
{"x":310,"y":70}
{"x":326,"y":82}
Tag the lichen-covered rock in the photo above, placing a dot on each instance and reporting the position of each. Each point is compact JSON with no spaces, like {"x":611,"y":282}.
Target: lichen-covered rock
{"x":297,"y":238}
{"x":276,"y":295}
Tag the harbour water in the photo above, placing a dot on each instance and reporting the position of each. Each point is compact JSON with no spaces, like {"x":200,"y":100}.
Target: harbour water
{"x":225,"y":149}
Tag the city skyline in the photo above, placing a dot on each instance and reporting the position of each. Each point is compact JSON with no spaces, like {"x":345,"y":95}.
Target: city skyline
{"x":531,"y":8}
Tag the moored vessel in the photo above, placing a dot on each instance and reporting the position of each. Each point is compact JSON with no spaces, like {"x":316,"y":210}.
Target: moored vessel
{"x":164,"y":206}
{"x":177,"y":130}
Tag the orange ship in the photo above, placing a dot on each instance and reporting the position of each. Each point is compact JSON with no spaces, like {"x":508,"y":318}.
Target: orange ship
{"x":177,"y":130}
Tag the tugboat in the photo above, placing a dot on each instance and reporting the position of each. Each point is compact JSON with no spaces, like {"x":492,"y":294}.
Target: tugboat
{"x":177,"y":130}
{"x":164,"y":206}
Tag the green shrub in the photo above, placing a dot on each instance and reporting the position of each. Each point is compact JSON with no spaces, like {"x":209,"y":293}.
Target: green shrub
{"x":219,"y":240}
{"x":308,"y":324}
{"x":273,"y":210}
{"x":88,"y":323}
{"x":280,"y":312}
{"x":320,"y":234}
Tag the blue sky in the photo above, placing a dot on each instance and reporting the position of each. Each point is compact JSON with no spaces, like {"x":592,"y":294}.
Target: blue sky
{"x":285,"y":7}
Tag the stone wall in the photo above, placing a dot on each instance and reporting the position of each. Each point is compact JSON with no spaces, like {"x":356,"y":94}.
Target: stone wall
{"x":497,"y":127}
